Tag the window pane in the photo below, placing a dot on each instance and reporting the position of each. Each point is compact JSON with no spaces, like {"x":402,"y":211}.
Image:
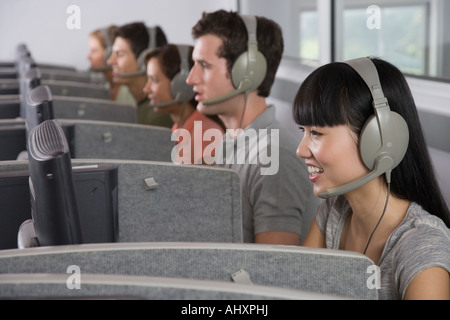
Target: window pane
{"x":414,"y":35}
{"x":309,"y":36}
{"x":397,"y":34}
{"x":298,"y":20}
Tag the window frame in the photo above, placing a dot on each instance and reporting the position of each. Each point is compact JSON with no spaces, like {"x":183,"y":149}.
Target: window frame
{"x":433,"y":56}
{"x":437,"y":56}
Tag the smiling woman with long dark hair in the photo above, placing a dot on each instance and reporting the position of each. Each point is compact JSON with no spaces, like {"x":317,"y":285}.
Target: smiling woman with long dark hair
{"x":400,"y":219}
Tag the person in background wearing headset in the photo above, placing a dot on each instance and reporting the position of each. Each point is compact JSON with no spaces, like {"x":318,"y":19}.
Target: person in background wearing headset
{"x":168,"y":92}
{"x":100,"y":48}
{"x":131,"y":41}
{"x":367,"y":157}
{"x":276,"y":208}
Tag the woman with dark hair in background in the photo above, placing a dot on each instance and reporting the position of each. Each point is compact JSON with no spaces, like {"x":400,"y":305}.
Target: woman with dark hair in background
{"x":168,"y":92}
{"x":400,"y":220}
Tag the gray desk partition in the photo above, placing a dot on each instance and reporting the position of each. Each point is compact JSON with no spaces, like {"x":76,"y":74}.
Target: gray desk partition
{"x":49,"y":66}
{"x":57,"y":75}
{"x":324,"y":271}
{"x":8,"y":73}
{"x":76,"y":89}
{"x":93,"y":109}
{"x":89,"y":139}
{"x":9,"y":86}
{"x":59,"y":88}
{"x":69,"y":75}
{"x":168,"y":202}
{"x":10,"y":108}
{"x":114,"y":140}
{"x":160,"y":201}
{"x":119,"y":287}
{"x":69,"y":107}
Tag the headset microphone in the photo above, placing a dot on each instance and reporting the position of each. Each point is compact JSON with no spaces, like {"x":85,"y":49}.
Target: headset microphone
{"x":168,"y":103}
{"x":244,"y":86}
{"x":249,"y":70}
{"x":382,"y":165}
{"x":384,"y":139}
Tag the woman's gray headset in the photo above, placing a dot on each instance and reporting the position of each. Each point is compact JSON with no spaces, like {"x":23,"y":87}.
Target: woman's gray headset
{"x":384,"y":138}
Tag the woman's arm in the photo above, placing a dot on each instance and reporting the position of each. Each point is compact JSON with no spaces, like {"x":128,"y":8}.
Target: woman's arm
{"x":430,"y":284}
{"x":314,"y":238}
{"x":278,"y":237}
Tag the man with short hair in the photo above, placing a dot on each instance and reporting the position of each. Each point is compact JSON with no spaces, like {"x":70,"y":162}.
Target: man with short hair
{"x":278,"y":203}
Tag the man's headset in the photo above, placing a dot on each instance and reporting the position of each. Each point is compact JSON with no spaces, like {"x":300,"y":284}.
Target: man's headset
{"x":249,"y":70}
{"x":181,"y":91}
{"x":141,"y":58}
{"x":109,"y":44}
{"x":384,"y":138}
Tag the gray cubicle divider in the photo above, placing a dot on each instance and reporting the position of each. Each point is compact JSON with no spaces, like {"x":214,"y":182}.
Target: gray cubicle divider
{"x":75,"y":107}
{"x":167,"y":202}
{"x":98,"y":140}
{"x":162,"y":201}
{"x":324,"y":271}
{"x":70,"y":75}
{"x":76,"y":89}
{"x":65,"y":107}
{"x":114,"y":140}
{"x":119,"y":287}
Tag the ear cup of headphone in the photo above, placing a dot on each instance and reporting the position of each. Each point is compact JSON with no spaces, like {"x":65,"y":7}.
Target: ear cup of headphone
{"x":108,"y":40}
{"x":108,"y":53}
{"x":141,"y":60}
{"x":151,"y":46}
{"x":254,"y":75}
{"x":180,"y":90}
{"x":251,"y":66}
{"x":370,"y":145}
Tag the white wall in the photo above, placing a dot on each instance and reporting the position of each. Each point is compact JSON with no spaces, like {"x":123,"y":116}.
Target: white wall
{"x":42,"y":24}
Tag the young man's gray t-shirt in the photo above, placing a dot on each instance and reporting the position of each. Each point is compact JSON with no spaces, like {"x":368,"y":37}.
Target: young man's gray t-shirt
{"x":421,"y":241}
{"x":276,"y":192}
